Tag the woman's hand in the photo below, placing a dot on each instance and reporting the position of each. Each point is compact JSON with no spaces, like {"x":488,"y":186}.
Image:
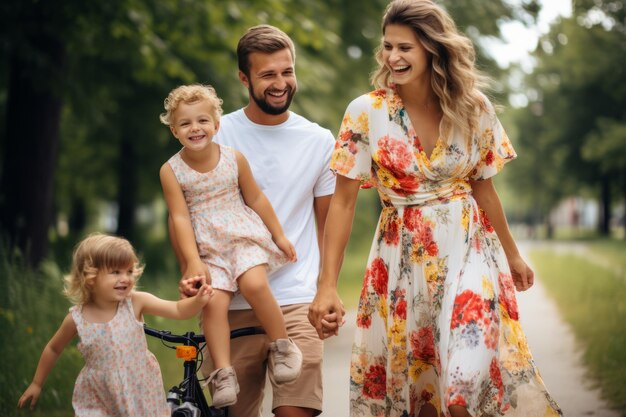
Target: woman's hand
{"x":523,"y":275}
{"x":326,"y":312}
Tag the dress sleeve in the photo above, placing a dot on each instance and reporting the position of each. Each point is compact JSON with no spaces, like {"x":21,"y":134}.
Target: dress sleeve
{"x":493,"y":144}
{"x":351,"y":156}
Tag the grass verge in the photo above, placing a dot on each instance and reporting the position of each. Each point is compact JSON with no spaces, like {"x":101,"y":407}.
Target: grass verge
{"x":592,"y":299}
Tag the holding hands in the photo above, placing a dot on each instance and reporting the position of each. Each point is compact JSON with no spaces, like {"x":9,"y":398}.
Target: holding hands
{"x":195,"y":276}
{"x":326,"y":312}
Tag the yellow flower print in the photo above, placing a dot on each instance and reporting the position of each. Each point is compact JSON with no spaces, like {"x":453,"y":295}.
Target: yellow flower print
{"x":431,"y":271}
{"x":377,"y":98}
{"x":386,"y":178}
{"x":398,"y":361}
{"x":342,"y":160}
{"x":438,"y":150}
{"x":416,"y":369}
{"x":465,"y":217}
{"x":362,"y":123}
{"x":487,"y":288}
{"x":357,"y":367}
{"x":382,"y":308}
{"x":397,"y":332}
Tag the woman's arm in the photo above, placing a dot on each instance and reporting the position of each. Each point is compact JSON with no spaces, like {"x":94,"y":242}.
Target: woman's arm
{"x":48,"y":359}
{"x":146,"y":303}
{"x":487,"y":198}
{"x":183,"y":236}
{"x":336,"y":236}
{"x":257,"y":201}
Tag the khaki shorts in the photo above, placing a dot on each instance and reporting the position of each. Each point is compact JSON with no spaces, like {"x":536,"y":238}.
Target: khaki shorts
{"x":249,"y":358}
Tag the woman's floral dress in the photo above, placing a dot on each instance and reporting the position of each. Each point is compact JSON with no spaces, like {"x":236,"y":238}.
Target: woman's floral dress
{"x":437,"y":321}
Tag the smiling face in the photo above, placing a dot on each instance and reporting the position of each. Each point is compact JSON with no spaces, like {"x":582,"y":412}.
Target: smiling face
{"x":113,"y":285}
{"x":194,"y":125}
{"x":271,"y":83}
{"x":405,"y":56}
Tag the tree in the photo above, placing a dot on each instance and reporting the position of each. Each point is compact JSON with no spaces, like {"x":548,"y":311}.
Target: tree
{"x":580,"y":90}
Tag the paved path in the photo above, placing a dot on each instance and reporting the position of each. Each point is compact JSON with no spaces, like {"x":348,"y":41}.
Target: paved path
{"x":550,"y":340}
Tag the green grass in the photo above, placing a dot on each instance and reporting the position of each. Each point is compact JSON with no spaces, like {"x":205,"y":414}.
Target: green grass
{"x":592,"y":299}
{"x":31,"y":309}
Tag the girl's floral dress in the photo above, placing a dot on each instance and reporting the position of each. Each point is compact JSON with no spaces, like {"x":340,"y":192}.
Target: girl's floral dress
{"x":437,"y":321}
{"x":121,"y":377}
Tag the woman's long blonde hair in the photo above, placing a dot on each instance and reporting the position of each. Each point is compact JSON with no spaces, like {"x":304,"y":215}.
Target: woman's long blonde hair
{"x":454,"y":77}
{"x":95,"y":253}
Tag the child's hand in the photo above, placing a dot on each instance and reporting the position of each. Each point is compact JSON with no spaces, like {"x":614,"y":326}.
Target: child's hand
{"x":196,"y":274}
{"x":205,"y":292}
{"x":31,"y":393}
{"x":285,"y":245}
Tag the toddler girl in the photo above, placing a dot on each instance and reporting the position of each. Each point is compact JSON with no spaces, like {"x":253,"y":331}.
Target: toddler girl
{"x":226,"y":232}
{"x":121,"y":377}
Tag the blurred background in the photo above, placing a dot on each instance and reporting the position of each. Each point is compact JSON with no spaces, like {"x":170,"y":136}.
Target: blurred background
{"x":82,"y":84}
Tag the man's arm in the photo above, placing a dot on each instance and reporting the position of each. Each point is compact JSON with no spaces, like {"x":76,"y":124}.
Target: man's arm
{"x":320,"y":207}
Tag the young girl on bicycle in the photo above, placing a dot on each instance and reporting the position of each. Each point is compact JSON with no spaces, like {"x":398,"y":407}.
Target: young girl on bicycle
{"x":226,"y":232}
{"x":121,"y":377}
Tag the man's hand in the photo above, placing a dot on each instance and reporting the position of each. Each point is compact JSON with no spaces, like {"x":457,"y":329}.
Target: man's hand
{"x":326,"y":312}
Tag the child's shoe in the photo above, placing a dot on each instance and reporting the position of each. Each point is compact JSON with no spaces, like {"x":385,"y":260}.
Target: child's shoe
{"x":225,"y":387}
{"x":286,"y":359}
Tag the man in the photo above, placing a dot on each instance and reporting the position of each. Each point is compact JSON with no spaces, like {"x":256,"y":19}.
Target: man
{"x":289,"y":157}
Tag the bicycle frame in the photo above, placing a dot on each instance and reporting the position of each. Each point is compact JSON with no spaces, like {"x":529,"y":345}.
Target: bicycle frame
{"x":190,"y":386}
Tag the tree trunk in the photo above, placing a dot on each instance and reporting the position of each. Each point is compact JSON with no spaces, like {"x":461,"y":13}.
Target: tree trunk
{"x":604,"y":224}
{"x":127,"y":187}
{"x":31,"y":144}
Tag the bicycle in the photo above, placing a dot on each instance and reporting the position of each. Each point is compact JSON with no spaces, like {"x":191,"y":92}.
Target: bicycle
{"x":187,"y":399}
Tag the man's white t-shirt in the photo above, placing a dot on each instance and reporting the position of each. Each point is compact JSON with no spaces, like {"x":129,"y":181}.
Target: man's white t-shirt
{"x":290,"y":162}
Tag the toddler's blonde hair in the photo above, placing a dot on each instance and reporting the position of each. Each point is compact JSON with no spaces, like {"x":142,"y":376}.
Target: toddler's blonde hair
{"x":191,"y":94}
{"x":95,"y":253}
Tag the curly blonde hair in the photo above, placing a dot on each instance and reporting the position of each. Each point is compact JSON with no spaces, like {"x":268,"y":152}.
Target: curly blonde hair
{"x":191,"y":94}
{"x":454,"y":76}
{"x":95,"y":253}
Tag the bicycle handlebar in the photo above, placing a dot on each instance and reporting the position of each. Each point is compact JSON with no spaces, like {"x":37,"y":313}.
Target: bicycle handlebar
{"x":197,"y":338}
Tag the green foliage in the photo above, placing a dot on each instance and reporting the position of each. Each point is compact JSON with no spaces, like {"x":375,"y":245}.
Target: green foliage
{"x":571,"y":135}
{"x":31,"y":309}
{"x":591,"y":299}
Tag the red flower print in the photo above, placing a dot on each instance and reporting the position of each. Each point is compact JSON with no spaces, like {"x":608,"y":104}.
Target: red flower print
{"x":364,"y":321}
{"x":345,"y":136}
{"x":485,"y":221}
{"x":408,"y":183}
{"x":377,"y":275}
{"x":412,"y":218}
{"x":496,"y":377}
{"x":423,"y":344}
{"x":390,"y":228}
{"x":375,"y":385}
{"x":432,"y":249}
{"x":394,"y":154}
{"x":426,"y":395}
{"x":401,"y":309}
{"x":489,"y":158}
{"x":507,"y":295}
{"x":468,"y":307}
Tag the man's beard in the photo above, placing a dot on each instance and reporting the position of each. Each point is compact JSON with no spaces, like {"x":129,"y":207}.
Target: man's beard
{"x":268,"y":108}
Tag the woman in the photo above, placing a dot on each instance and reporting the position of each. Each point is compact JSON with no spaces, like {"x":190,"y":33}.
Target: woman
{"x":437,"y":325}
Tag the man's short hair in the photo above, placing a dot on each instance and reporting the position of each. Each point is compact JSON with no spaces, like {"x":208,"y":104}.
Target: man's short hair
{"x":265,"y":39}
